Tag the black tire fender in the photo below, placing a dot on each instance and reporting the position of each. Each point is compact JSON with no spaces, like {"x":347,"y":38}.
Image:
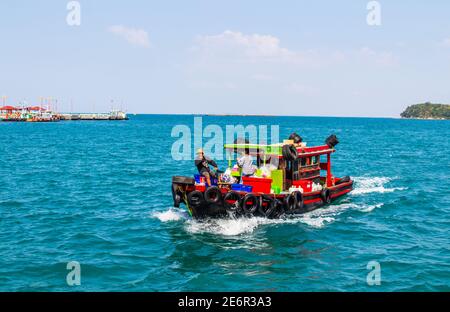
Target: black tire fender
{"x":232,"y":196}
{"x":290,"y":152}
{"x":270,"y":208}
{"x":279,"y":210}
{"x":296,"y":138}
{"x":195,"y":199}
{"x":299,"y":198}
{"x":326,"y":196}
{"x":213,"y":195}
{"x":253,"y":207}
{"x":290,"y":203}
{"x":176,"y":197}
{"x":343,"y":180}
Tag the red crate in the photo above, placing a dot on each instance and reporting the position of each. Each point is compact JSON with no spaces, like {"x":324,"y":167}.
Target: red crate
{"x":260,"y":185}
{"x":200,"y":187}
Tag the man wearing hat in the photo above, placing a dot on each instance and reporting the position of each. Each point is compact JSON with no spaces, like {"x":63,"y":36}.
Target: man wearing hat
{"x":202,"y":162}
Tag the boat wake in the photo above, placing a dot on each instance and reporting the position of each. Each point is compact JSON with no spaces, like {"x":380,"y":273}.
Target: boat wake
{"x":236,"y":226}
{"x":226,"y":227}
{"x":366,"y":185}
{"x":315,"y":219}
{"x":245,"y":225}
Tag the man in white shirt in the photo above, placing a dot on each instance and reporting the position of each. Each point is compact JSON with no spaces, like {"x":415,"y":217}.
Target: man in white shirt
{"x":246,"y":163}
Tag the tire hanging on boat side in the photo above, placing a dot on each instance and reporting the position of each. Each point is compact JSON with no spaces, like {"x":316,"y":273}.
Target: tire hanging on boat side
{"x":299,"y":198}
{"x":253,"y":206}
{"x":213,"y":195}
{"x":296,"y":138}
{"x":290,"y":152}
{"x":279,"y":209}
{"x":195,"y":199}
{"x":326,"y":196}
{"x":232,"y":207}
{"x":269,"y":209}
{"x":290,"y":203}
{"x":343,"y":180}
{"x":176,"y":197}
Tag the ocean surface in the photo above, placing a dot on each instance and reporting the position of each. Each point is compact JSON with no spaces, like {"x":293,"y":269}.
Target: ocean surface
{"x":99,"y":193}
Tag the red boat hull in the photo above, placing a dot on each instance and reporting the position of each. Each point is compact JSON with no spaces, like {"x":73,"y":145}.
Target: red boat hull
{"x":219,"y":209}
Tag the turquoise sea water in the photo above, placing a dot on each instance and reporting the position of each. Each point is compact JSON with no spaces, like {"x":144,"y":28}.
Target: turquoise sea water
{"x":99,"y":193}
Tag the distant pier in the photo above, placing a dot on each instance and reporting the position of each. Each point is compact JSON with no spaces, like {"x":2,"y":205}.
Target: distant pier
{"x":39,"y":114}
{"x":95,"y":116}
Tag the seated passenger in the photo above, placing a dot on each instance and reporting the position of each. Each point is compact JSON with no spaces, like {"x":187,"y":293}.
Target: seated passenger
{"x":202,"y":162}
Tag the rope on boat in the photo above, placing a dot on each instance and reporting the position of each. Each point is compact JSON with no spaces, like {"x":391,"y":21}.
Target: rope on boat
{"x":187,"y":204}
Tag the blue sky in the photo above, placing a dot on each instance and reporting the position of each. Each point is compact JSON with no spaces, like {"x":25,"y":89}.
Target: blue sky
{"x":246,"y":57}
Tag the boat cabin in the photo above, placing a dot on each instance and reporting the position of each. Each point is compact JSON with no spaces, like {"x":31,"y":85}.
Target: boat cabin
{"x":291,"y":165}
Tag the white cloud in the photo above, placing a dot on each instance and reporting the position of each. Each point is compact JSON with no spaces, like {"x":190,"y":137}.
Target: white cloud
{"x":238,"y":48}
{"x":249,"y":48}
{"x":251,"y":45}
{"x":233,"y":60}
{"x":135,"y":36}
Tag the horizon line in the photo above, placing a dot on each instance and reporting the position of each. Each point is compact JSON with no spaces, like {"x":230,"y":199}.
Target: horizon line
{"x":262,"y":115}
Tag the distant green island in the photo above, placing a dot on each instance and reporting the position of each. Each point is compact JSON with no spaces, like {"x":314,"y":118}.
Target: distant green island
{"x":427,"y":111}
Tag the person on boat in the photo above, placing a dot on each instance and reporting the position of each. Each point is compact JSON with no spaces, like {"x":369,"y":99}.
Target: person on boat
{"x":246,"y":163}
{"x":202,"y":163}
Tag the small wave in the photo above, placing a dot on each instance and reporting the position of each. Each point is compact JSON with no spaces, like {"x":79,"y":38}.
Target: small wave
{"x":169,"y":215}
{"x":321,"y":217}
{"x":369,"y":208}
{"x":227,"y":227}
{"x":366,"y":185}
{"x":316,"y":222}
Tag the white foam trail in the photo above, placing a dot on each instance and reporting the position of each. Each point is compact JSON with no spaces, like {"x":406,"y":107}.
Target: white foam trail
{"x":316,"y":222}
{"x":369,"y":208}
{"x":169,"y":215}
{"x":226,"y":227}
{"x":318,"y":218}
{"x":238,"y":226}
{"x":366,"y":185}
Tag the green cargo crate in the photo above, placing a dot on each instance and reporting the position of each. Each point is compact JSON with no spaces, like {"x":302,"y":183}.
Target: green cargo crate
{"x":277,"y":179}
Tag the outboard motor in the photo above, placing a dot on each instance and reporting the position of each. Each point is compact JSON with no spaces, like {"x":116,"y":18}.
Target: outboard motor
{"x":332,"y":141}
{"x":296,"y":138}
